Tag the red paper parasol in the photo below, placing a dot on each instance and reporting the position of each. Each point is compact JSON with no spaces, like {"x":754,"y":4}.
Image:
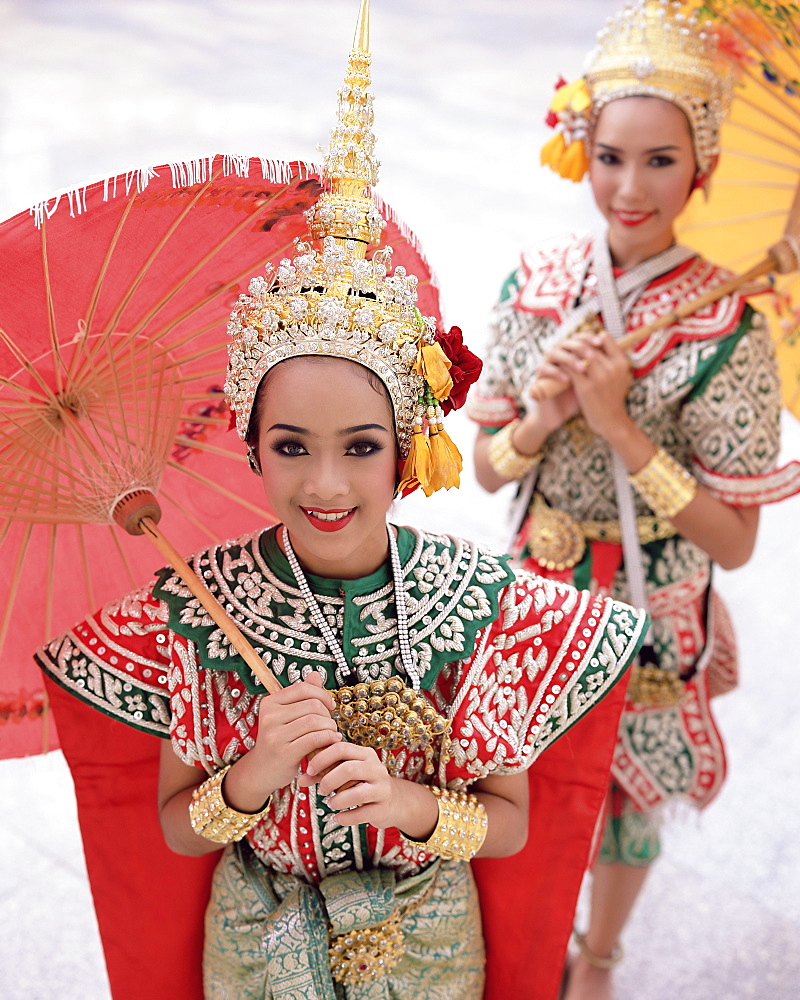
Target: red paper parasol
{"x":112,"y":359}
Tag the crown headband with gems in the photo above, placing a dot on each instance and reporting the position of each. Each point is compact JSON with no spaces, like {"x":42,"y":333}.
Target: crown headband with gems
{"x":331,"y":301}
{"x":650,"y":49}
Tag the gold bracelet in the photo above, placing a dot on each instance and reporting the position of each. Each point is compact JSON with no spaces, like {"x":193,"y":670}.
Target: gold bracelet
{"x":460,"y":829}
{"x":504,"y":457}
{"x":665,"y":485}
{"x":213,"y":819}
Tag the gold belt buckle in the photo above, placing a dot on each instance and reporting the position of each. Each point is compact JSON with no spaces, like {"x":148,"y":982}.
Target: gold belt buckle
{"x":651,"y":687}
{"x":555,"y":539}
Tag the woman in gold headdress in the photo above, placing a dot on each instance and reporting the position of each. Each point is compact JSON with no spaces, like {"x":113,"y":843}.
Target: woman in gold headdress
{"x":419,"y":676}
{"x":646,"y":467}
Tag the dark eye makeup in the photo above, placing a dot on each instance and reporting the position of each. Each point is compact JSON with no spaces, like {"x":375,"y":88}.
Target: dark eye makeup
{"x":291,"y":447}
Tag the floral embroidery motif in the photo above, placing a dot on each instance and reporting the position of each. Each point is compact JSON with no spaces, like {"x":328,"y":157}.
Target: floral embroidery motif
{"x":451,"y":590}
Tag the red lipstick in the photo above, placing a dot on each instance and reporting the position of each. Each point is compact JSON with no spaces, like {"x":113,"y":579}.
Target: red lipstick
{"x":333,"y":520}
{"x":633,"y":218}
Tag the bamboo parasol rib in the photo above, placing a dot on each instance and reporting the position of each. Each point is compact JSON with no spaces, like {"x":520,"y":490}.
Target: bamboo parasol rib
{"x":94,"y":454}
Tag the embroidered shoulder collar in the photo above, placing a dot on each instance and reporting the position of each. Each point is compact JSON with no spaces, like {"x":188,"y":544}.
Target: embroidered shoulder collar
{"x":452,"y":586}
{"x":553,"y":275}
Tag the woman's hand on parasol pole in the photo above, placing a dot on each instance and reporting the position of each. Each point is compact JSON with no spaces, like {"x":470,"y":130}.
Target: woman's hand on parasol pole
{"x":138,"y":513}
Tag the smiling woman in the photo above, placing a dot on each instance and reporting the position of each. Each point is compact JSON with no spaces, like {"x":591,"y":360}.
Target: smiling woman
{"x":642,"y":468}
{"x":418,"y":676}
{"x":330,"y":481}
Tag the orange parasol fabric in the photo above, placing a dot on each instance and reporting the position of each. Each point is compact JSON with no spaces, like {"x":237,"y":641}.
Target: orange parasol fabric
{"x":756,"y":182}
{"x":112,"y":359}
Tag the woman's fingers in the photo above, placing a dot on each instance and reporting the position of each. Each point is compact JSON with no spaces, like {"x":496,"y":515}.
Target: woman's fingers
{"x":300,"y":729}
{"x":343,"y":762}
{"x":274,"y":712}
{"x":310,"y":689}
{"x":305,"y":698}
{"x":292,"y":724}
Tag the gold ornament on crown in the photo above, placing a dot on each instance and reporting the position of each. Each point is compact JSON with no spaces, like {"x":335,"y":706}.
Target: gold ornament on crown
{"x":651,"y":48}
{"x":334,"y":299}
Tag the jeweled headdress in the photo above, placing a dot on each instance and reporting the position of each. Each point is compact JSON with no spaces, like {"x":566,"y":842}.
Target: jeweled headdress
{"x":650,"y":49}
{"x":335,"y":299}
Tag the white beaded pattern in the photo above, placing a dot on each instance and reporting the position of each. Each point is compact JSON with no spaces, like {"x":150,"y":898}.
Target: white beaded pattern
{"x":407,"y":656}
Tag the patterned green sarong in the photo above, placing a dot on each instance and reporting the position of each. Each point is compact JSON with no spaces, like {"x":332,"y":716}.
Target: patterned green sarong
{"x":267,"y":934}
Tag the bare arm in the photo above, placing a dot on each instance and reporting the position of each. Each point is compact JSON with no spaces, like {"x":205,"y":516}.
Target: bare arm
{"x":176,"y":782}
{"x":291,"y":724}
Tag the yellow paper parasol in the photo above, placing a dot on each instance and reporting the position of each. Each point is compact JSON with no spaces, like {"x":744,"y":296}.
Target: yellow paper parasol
{"x":754,"y":187}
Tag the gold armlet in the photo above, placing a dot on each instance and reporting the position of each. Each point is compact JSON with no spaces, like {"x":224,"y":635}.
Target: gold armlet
{"x":460,"y":829}
{"x":504,"y":457}
{"x":665,"y":485}
{"x":213,"y":819}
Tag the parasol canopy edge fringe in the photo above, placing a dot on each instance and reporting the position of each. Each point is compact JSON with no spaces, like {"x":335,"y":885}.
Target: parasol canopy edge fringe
{"x":184,"y":174}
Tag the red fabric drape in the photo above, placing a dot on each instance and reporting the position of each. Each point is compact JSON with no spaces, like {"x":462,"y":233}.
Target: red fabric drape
{"x":528,"y":901}
{"x":149,"y":902}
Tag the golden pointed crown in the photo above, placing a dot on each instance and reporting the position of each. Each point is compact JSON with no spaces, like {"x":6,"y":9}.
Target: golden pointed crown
{"x":333,"y":299}
{"x":651,"y":48}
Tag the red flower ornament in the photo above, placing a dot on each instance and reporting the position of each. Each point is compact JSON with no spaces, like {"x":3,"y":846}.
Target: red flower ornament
{"x":465,"y":367}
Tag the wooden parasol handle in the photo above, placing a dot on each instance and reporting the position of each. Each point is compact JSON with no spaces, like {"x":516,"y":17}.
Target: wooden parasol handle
{"x":547,"y":388}
{"x":211,"y":605}
{"x":138,"y":513}
{"x":217,"y":612}
{"x":692,"y":306}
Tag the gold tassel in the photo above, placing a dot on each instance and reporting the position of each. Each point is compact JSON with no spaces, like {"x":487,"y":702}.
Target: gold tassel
{"x":446,"y":462}
{"x":433,"y":365}
{"x":572,"y":103}
{"x":417,"y":468}
{"x":553,"y":151}
{"x":574,"y":163}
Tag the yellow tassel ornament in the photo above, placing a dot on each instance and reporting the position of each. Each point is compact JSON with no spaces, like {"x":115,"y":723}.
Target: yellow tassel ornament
{"x":446,"y":461}
{"x":565,"y":152}
{"x":434,"y":366}
{"x":416,"y":471}
{"x":434,"y":462}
